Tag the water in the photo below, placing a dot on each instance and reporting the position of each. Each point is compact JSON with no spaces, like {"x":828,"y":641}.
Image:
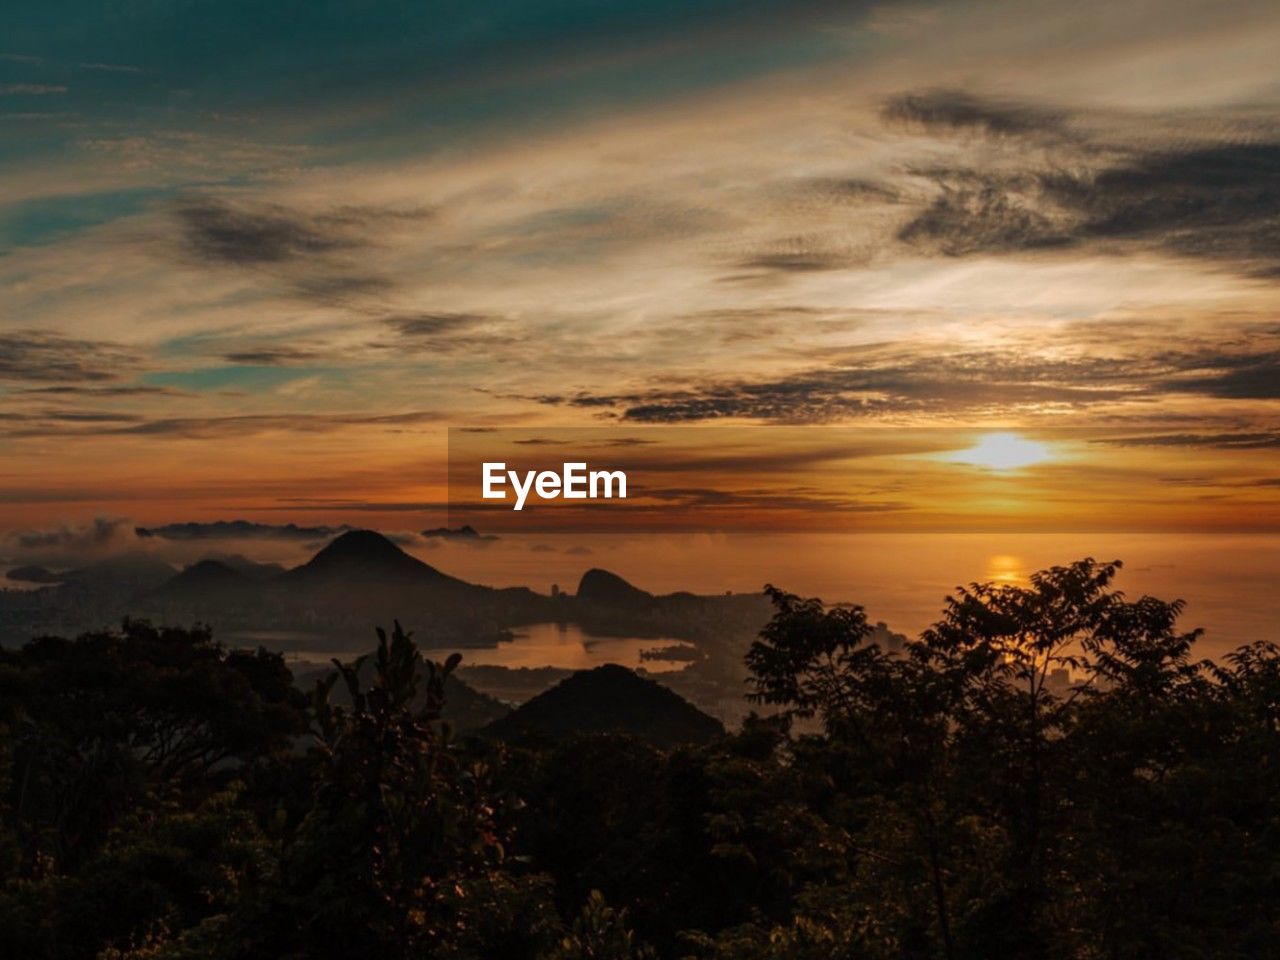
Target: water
{"x":568,"y":646}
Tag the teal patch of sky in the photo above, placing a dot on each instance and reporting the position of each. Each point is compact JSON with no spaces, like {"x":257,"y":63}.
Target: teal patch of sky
{"x":45,"y":219}
{"x":254,"y":379}
{"x":508,"y":58}
{"x":446,"y":115}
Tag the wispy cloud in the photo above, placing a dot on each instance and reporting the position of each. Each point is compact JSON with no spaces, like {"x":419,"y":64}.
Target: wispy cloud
{"x":34,"y":355}
{"x":239,"y":530}
{"x":32,"y":89}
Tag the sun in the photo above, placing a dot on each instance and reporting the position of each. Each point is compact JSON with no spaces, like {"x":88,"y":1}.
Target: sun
{"x":1002,"y":451}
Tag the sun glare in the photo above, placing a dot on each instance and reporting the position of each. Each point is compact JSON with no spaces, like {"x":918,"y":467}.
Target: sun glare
{"x":1002,"y":451}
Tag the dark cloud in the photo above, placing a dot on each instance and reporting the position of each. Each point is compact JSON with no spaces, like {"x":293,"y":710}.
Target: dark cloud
{"x":214,"y":428}
{"x":810,"y":261}
{"x":969,"y":381}
{"x":1212,"y":201}
{"x":367,"y":506}
{"x":957,"y":110}
{"x":36,"y":356}
{"x":1225,"y":441}
{"x":271,"y":357}
{"x":432,"y":324}
{"x":990,"y":213}
{"x":894,"y":379}
{"x":269,"y":234}
{"x":829,"y":190}
{"x":1234,"y":377}
{"x":441,"y":331}
{"x":800,"y":498}
{"x":318,"y":256}
{"x":122,"y":390}
{"x":465,"y":534}
{"x":239,"y":530}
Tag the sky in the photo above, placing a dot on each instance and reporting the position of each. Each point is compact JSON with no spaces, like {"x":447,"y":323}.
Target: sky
{"x":257,"y":259}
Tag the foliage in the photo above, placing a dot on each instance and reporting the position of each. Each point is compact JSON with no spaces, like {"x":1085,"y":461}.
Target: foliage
{"x":1047,"y":772}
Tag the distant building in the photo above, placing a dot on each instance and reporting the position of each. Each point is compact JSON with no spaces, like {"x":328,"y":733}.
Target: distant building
{"x":1059,"y":680}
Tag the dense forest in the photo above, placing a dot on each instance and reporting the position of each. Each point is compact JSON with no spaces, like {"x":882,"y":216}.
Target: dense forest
{"x":1047,"y":772}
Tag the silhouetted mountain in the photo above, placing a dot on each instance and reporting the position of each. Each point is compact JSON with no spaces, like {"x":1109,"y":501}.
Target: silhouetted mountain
{"x":469,"y":710}
{"x":603,"y":587}
{"x":364,"y":557}
{"x":609,"y":699}
{"x":363,"y":575}
{"x":34,"y":574}
{"x":250,"y":568}
{"x":208,"y":581}
{"x":127,"y":574}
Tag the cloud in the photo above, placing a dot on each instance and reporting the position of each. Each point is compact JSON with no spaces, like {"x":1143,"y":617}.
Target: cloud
{"x":270,"y":356}
{"x":102,"y":532}
{"x":1249,"y":376}
{"x":466,"y":534}
{"x":1217,"y":201}
{"x":432,"y":324}
{"x":223,"y":233}
{"x":968,"y":381}
{"x":799,"y":498}
{"x":120,"y":390}
{"x":214,"y":428}
{"x":239,"y":530}
{"x":958,"y":110}
{"x":32,"y":89}
{"x":1223,"y":441}
{"x":36,"y":356}
{"x":111,"y":68}
{"x":902,"y":378}
{"x":976,"y":213}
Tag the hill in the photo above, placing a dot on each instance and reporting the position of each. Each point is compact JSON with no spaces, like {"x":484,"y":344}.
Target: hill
{"x":208,"y":581}
{"x":609,"y":589}
{"x":609,"y":699}
{"x":363,"y":557}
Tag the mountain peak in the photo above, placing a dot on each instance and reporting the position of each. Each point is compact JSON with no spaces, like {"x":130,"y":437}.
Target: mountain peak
{"x":601,"y":586}
{"x":361,"y":544}
{"x":205,"y":580}
{"x":610,"y":699}
{"x":363,"y":557}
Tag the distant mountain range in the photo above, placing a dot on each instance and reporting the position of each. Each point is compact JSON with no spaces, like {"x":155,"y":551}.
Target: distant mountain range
{"x":358,"y":580}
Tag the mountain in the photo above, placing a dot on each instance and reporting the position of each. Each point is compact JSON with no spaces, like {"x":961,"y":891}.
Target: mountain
{"x":208,"y":581}
{"x":364,"y":558}
{"x":609,"y":589}
{"x":609,"y":699}
{"x":467,"y":709}
{"x":362,"y":578}
{"x":129,"y":574}
{"x":250,"y":568}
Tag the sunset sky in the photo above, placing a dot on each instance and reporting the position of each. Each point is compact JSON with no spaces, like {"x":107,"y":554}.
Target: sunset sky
{"x":256,"y":259}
